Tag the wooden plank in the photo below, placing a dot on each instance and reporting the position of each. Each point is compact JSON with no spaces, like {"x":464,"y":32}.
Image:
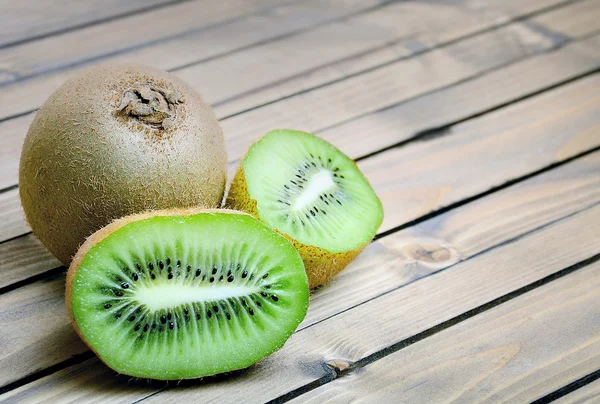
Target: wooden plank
{"x":178,"y":46}
{"x":409,"y":179}
{"x":497,"y":146}
{"x":95,"y":41}
{"x":12,"y":220}
{"x":420,"y":41}
{"x":417,"y":26}
{"x":516,"y":352}
{"x":465,"y":99}
{"x":26,"y":20}
{"x":336,"y":50}
{"x":310,"y":355}
{"x":327,"y":106}
{"x":583,"y":16}
{"x":587,"y":394}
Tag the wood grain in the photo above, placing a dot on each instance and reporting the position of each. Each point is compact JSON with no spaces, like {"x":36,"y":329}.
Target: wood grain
{"x":25,"y":20}
{"x":295,"y":62}
{"x":12,"y":220}
{"x":582,"y":16}
{"x":244,"y":129}
{"x":311,"y":353}
{"x":177,"y":47}
{"x":423,"y":177}
{"x":120,"y":35}
{"x":516,"y":352}
{"x":588,"y":394}
{"x":389,"y":263}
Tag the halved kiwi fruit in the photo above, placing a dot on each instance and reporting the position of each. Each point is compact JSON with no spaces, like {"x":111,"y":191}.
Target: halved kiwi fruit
{"x":308,"y":190}
{"x":115,"y":141}
{"x":183,"y":294}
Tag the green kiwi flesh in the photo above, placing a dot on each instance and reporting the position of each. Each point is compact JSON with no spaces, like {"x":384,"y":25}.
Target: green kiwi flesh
{"x":310,"y":190}
{"x":114,"y":141}
{"x":180,"y":296}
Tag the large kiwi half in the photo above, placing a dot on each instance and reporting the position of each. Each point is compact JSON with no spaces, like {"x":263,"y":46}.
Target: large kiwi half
{"x":183,"y":294}
{"x":311,"y":192}
{"x":114,"y":141}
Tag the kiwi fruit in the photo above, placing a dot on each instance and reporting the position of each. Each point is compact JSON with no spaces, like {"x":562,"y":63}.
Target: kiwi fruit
{"x":114,"y":141}
{"x":311,"y":192}
{"x":186,"y":293}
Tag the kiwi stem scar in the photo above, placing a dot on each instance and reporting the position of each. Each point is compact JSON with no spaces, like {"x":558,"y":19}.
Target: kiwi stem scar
{"x":167,"y":296}
{"x":318,"y":183}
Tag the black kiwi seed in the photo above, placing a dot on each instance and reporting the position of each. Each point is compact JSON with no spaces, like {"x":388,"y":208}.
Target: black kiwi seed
{"x":178,"y":263}
{"x":138,"y":266}
{"x":168,"y":261}
{"x":171,"y":325}
{"x":169,"y":316}
{"x":152,"y":276}
{"x":244,"y":274}
{"x":275,"y":298}
{"x":244,"y":302}
{"x":153,"y":326}
{"x":229,"y":273}
{"x":124,"y":285}
{"x":209,"y":313}
{"x":220,"y":278}
{"x":161,"y":265}
{"x":263,"y":294}
{"x":163,"y":319}
{"x":214,"y":270}
{"x":212,"y":279}
{"x":265,"y":275}
{"x":228,"y":316}
{"x":198,"y":316}
{"x":216,"y":309}
{"x":186,"y":311}
{"x":198,"y":272}
{"x":118,"y":293}
{"x":170,"y":276}
{"x":230,"y":279}
{"x":137,"y":327}
{"x":151,"y":266}
{"x":131,"y":318}
{"x":259,"y":304}
{"x":251,"y":312}
{"x":146,"y":327}
{"x":189,"y":268}
{"x":134,"y":276}
{"x":118,"y":315}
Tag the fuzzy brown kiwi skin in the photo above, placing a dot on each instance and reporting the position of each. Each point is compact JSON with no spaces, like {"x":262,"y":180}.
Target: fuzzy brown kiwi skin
{"x":94,"y":154}
{"x":106,"y":231}
{"x":321,"y":265}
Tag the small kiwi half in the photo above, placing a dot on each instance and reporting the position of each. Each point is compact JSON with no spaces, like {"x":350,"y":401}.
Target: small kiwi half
{"x":312,"y":193}
{"x":182,"y":294}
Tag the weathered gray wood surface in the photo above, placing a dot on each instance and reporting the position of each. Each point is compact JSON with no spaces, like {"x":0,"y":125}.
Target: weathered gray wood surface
{"x":477,"y":123}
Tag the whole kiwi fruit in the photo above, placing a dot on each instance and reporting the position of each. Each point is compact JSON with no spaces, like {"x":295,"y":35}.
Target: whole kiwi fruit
{"x":114,"y":141}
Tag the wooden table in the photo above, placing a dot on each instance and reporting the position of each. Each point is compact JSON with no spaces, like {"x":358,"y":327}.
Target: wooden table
{"x":478,"y":124}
